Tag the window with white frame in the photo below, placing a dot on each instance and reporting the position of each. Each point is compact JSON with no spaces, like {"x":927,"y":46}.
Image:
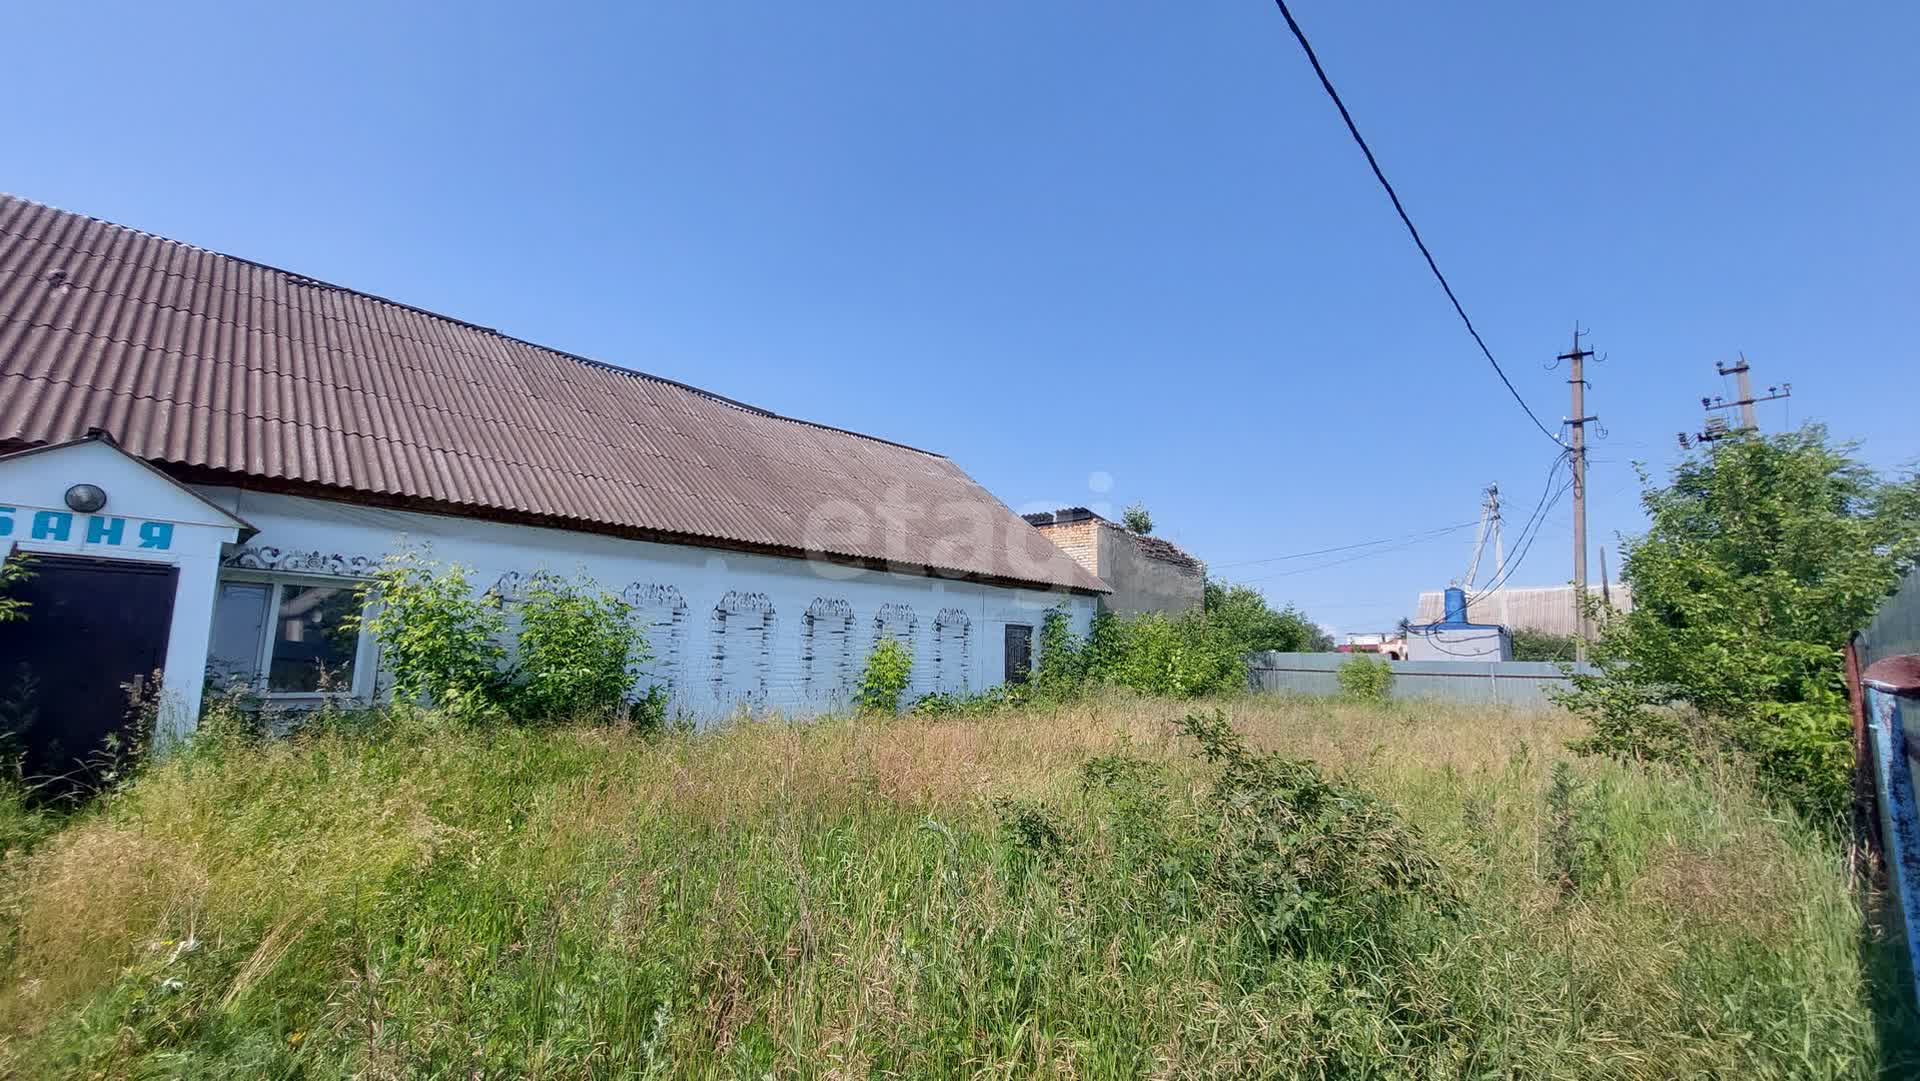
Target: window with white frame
{"x":287,"y":637}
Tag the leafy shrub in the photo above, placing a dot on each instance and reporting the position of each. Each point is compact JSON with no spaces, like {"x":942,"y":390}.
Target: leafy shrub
{"x":13,"y":570}
{"x":991,"y":700}
{"x":442,"y":643}
{"x":231,"y":717}
{"x":1305,"y":856}
{"x":1762,"y":556}
{"x":438,"y":640}
{"x":1304,"y":863}
{"x":1244,"y":615}
{"x":1629,"y":723}
{"x":1182,"y":657}
{"x":649,"y":712}
{"x":1575,"y":843}
{"x":889,"y":670}
{"x":1136,"y":519}
{"x":1543,"y":646}
{"x":1365,"y":679}
{"x":1060,"y":671}
{"x":1177,"y":658}
{"x":577,"y":650}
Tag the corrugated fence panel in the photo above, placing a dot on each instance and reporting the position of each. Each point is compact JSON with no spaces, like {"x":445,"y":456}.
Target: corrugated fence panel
{"x":1892,"y":716}
{"x":1522,"y":684}
{"x":1895,"y":630}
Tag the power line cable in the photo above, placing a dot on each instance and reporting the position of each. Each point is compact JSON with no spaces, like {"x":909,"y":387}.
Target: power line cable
{"x":1495,"y":587}
{"x":1374,"y":163}
{"x":1549,"y":498}
{"x":1404,"y":545}
{"x":1345,"y":547}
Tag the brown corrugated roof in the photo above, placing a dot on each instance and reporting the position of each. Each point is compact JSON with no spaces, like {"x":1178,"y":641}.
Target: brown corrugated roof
{"x":234,"y":371}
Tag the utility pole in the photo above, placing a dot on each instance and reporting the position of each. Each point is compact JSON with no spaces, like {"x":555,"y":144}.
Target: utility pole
{"x":1489,"y":528}
{"x":1743,"y":383}
{"x":1576,"y":361}
{"x":1716,"y":427}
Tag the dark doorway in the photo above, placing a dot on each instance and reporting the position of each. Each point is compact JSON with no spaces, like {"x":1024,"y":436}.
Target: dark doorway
{"x":92,"y":627}
{"x":1019,"y":652}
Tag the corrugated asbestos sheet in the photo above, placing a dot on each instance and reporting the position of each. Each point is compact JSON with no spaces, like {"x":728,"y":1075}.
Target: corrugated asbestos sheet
{"x":193,"y":358}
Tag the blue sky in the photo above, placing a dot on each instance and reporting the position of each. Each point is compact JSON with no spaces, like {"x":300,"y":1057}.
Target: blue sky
{"x":1061,"y":240}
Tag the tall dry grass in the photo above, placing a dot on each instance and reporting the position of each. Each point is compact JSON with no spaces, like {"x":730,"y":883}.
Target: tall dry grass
{"x":845,"y":899}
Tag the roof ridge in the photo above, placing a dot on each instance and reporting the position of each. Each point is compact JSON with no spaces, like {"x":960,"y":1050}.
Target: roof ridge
{"x":635,"y":373}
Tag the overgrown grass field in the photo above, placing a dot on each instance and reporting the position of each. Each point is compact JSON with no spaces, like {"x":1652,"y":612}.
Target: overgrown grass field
{"x":1084,"y":892}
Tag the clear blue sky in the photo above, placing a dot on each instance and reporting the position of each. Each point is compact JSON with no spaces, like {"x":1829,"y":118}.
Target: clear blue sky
{"x":1058,"y":239}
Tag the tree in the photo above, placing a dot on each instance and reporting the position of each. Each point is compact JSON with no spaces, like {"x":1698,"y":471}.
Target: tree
{"x":1762,"y":557}
{"x":1246,"y":618}
{"x":1137,"y":519}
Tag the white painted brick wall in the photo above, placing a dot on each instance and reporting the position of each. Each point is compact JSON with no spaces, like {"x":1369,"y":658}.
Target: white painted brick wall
{"x":702,"y":578}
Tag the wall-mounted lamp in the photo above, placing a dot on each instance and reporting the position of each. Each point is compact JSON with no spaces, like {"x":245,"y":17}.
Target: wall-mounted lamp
{"x":86,"y":498}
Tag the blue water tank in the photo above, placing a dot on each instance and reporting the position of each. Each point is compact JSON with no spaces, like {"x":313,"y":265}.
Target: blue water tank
{"x":1456,"y":605}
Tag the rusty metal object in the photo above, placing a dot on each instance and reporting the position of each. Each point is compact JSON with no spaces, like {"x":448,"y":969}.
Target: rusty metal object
{"x":1896,"y":675}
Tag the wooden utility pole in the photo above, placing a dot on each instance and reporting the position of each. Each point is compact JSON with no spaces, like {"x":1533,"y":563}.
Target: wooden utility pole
{"x":1576,"y":379}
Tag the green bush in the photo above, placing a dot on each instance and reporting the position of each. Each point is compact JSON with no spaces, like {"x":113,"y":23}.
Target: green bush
{"x":439,"y":641}
{"x":1366,"y":679}
{"x":991,"y":700}
{"x":577,"y":651}
{"x":13,"y":570}
{"x":1762,"y":556}
{"x":1175,"y":658}
{"x":1304,"y":864}
{"x":1182,"y":657}
{"x":1576,"y":846}
{"x":889,"y":670}
{"x":442,"y":643}
{"x":1060,"y":671}
{"x":1244,"y":615}
{"x":1542,"y":646}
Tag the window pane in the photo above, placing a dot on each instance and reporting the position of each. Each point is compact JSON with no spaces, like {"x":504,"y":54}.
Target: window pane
{"x":239,"y":621}
{"x":312,"y":645}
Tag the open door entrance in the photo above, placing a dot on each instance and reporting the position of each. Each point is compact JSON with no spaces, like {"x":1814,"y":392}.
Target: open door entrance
{"x":92,"y":627}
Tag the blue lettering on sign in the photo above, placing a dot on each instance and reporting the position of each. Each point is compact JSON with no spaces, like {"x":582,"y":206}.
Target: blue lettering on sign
{"x":54,"y":525}
{"x":105,"y":530}
{"x":57,"y":526}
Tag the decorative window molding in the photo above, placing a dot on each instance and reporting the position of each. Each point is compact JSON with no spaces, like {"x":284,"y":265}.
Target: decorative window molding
{"x":295,"y":561}
{"x":660,"y":611}
{"x":513,"y":586}
{"x":895,"y":621}
{"x":826,"y":650}
{"x":741,"y":638}
{"x":952,"y":651}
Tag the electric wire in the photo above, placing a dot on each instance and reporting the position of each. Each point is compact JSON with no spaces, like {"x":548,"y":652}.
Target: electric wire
{"x":1378,"y":174}
{"x":1549,"y":499}
{"x":1345,"y":547}
{"x":1404,"y":545}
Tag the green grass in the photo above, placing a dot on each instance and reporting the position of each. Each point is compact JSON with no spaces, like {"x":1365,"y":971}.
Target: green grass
{"x":932,"y":898}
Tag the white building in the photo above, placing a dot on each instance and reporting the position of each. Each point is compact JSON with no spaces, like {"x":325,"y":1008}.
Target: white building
{"x":262,"y":440}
